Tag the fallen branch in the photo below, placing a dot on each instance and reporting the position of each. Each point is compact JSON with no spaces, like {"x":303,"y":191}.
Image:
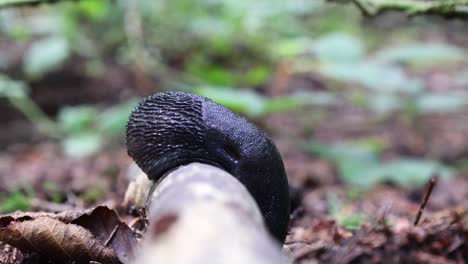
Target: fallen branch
{"x":201,"y":214}
{"x":447,"y":8}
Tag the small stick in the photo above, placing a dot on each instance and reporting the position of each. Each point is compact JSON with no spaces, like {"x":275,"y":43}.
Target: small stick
{"x":112,"y":234}
{"x":429,"y":189}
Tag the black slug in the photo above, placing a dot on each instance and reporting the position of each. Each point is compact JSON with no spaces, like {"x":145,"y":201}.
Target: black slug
{"x":171,"y":129}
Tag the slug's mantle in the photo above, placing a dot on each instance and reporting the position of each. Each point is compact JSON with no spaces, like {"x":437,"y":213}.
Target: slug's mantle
{"x":171,"y":129}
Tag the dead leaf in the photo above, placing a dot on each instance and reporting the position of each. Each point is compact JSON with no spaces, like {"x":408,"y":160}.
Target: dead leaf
{"x":105,"y":225}
{"x":79,"y":236}
{"x":54,"y":238}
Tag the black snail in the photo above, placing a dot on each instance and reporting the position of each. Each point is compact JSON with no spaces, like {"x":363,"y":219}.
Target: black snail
{"x":171,"y":129}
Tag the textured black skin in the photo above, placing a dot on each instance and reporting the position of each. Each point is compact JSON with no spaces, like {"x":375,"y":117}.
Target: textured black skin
{"x":171,"y":129}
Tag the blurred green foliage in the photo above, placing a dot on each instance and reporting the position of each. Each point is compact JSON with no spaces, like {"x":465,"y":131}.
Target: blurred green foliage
{"x":254,"y":104}
{"x":226,"y":50}
{"x":53,"y":190}
{"x":360,"y":165}
{"x":16,"y":92}
{"x":45,"y":55}
{"x":83,"y":130}
{"x":342,"y":215}
{"x":86,"y":128}
{"x":93,"y":194}
{"x":15,"y":200}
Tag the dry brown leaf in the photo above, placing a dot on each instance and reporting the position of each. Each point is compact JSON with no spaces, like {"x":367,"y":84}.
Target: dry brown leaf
{"x":57,"y":240}
{"x":106,"y":226}
{"x":80,"y":236}
{"x":66,"y":217}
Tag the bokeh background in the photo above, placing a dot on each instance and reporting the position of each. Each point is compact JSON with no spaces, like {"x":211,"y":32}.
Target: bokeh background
{"x":363,"y":110}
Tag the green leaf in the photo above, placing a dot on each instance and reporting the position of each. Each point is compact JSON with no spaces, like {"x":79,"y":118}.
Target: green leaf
{"x":352,"y":171}
{"x":296,"y":100}
{"x":256,"y":105}
{"x":345,"y":150}
{"x":291,"y":47}
{"x":257,"y":75}
{"x":343,"y":216}
{"x":114,"y":120}
{"x":384,"y":103}
{"x":82,"y":144}
{"x":45,"y":55}
{"x":94,"y":9}
{"x":53,"y":191}
{"x":409,"y":172}
{"x":210,"y":73}
{"x":15,"y":200}
{"x":279,"y":104}
{"x":442,"y":102}
{"x":244,"y":101}
{"x":339,"y":48}
{"x":359,"y":165}
{"x":93,"y":194}
{"x":427,"y":53}
{"x":352,"y":222}
{"x":352,"y":159}
{"x":316,"y":98}
{"x":12,"y":89}
{"x":381,"y":78}
{"x":77,"y":119}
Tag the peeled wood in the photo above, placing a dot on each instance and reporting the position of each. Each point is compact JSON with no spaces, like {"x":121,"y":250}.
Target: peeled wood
{"x":201,"y":214}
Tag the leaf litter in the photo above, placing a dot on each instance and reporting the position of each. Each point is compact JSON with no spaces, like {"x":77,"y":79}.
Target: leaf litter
{"x":74,"y":236}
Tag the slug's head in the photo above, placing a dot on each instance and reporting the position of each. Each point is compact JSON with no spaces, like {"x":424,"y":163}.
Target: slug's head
{"x":171,"y":129}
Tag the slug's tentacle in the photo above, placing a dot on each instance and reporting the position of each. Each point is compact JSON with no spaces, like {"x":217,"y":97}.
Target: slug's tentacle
{"x":171,"y":129}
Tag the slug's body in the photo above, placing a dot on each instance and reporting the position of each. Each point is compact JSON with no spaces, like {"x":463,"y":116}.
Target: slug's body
{"x":171,"y":129}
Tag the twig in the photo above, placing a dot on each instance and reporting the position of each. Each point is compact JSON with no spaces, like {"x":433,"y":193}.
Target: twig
{"x":429,"y":189}
{"x":14,"y":3}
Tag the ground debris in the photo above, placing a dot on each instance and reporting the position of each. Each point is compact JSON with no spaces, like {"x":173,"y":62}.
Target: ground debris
{"x":441,"y":238}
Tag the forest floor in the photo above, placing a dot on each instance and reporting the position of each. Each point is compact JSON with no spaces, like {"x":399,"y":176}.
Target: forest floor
{"x":330,"y":223}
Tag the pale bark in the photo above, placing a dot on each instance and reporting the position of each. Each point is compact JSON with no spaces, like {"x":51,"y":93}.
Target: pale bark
{"x":201,"y":214}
